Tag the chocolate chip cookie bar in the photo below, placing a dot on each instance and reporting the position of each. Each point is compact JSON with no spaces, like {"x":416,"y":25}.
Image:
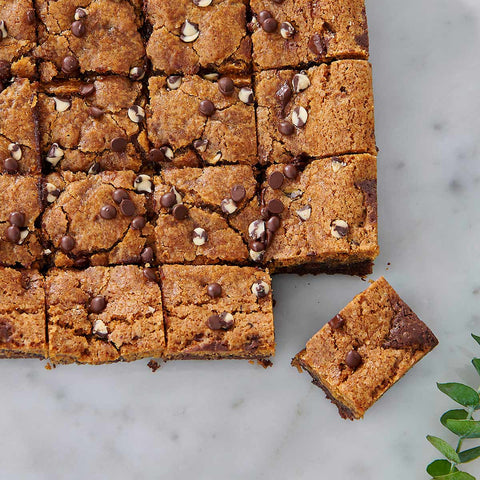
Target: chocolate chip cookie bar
{"x":92,"y":126}
{"x":319,"y":217}
{"x":103,"y":315}
{"x":192,"y":121}
{"x":359,"y":354}
{"x":195,"y":209}
{"x":20,"y":210}
{"x":96,"y":219}
{"x":98,"y":36}
{"x":19,"y":149}
{"x":217,"y":312}
{"x":22,"y":314}
{"x":323,"y":111}
{"x":293,"y":33}
{"x":18,"y":37}
{"x":192,"y":35}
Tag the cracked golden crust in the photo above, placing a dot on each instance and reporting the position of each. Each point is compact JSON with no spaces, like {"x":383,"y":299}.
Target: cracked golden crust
{"x":342,"y":25}
{"x":133,"y":315}
{"x":222,"y":45}
{"x":112,"y":42}
{"x":187,"y":307}
{"x":369,"y":319}
{"x":340,"y":109}
{"x":86,"y":140}
{"x":22,"y":314}
{"x":76,"y":213}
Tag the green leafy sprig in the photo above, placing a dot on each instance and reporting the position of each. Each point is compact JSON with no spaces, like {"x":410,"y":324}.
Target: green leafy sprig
{"x":460,"y":422}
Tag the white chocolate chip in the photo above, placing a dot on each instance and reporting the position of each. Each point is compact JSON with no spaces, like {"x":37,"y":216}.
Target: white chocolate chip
{"x":47,"y":251}
{"x":23,"y":236}
{"x":15,"y":150}
{"x":256,"y":256}
{"x":299,"y":117}
{"x":287,"y":30}
{"x":217,"y":157}
{"x":174,"y":82}
{"x":337,"y":165}
{"x":137,"y":73}
{"x":300,"y":82}
{"x":168,"y":152}
{"x":304,"y":213}
{"x":260,"y":289}
{"x":94,"y":169}
{"x":136,"y":114}
{"x":151,"y":310}
{"x":245,"y":95}
{"x":202,"y":3}
{"x":62,"y":105}
{"x":256,"y":229}
{"x":294,"y":194}
{"x":213,"y":77}
{"x":189,"y":32}
{"x":228,"y":206}
{"x":143,"y":184}
{"x":80,"y":13}
{"x":199,"y":236}
{"x":3,"y":29}
{"x":52,"y":192}
{"x":100,"y":329}
{"x":55,"y":154}
{"x":339,"y":229}
{"x":200,"y":145}
{"x":178,"y":197}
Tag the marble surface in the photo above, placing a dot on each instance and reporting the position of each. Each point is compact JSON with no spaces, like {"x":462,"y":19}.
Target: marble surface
{"x":231,"y":420}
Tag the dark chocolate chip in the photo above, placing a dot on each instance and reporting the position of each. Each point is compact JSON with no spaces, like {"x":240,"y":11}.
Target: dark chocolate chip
{"x":5,"y":70}
{"x":337,"y":322}
{"x":119,"y":195}
{"x":237,"y":193}
{"x":86,"y":90}
{"x":127,"y":207}
{"x":284,"y":94}
{"x":275,"y":180}
{"x":17,"y":219}
{"x":149,"y":274}
{"x":180,"y":212}
{"x":108,"y":212}
{"x":275,"y":206}
{"x":362,"y":40}
{"x":10,"y":165}
{"x":263,"y":15}
{"x":317,"y":44}
{"x":220,"y":322}
{"x":206,"y":108}
{"x":214,"y":290}
{"x":138,"y":222}
{"x":353,"y":359}
{"x":31,"y":17}
{"x":265,"y":213}
{"x":96,"y":112}
{"x":78,"y":28}
{"x":119,"y":144}
{"x":82,"y":262}
{"x":13,"y":234}
{"x":273,"y":223}
{"x":270,"y":25}
{"x":70,"y":65}
{"x":226,"y":86}
{"x":67,"y":243}
{"x":290,"y":171}
{"x":214,"y":322}
{"x":257,"y":246}
{"x":95,"y":168}
{"x":137,"y":73}
{"x":147,"y":255}
{"x":269,"y":239}
{"x":97,"y":304}
{"x":156,"y":155}
{"x":286,"y":128}
{"x":5,"y":332}
{"x":168,"y":200}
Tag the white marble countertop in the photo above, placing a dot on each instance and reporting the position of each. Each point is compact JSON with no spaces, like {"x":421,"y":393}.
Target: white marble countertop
{"x":231,"y":420}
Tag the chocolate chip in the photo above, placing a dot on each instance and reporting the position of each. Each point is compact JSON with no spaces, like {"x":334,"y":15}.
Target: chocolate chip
{"x":137,"y":73}
{"x":269,"y":25}
{"x":100,"y":330}
{"x":275,"y":180}
{"x":220,"y":322}
{"x":97,"y":304}
{"x":13,"y":234}
{"x":238,"y":193}
{"x":15,"y":150}
{"x":80,"y":13}
{"x":245,"y":95}
{"x":260,"y":289}
{"x":263,"y":15}
{"x":228,"y":206}
{"x":286,"y":128}
{"x":317,"y":44}
{"x":202,"y":3}
{"x":256,"y":229}
{"x":5,"y":70}
{"x":168,"y":200}
{"x":284,"y":94}
{"x":10,"y":165}
{"x":95,"y":169}
{"x":17,"y":219}
{"x":67,"y":243}
{"x":362,"y":40}
{"x":174,"y":82}
{"x":31,"y":17}
{"x":5,"y":332}
{"x":149,"y":274}
{"x":119,"y":195}
{"x":147,"y":255}
{"x":70,"y":65}
{"x":337,"y":322}
{"x":127,"y":207}
{"x":353,"y":359}
{"x":136,"y":114}
{"x":200,"y":145}
{"x":82,"y":262}
{"x":143,"y":184}
{"x":273,"y":223}
{"x":339,"y":229}
{"x":189,"y":32}
{"x":299,"y":116}
{"x":275,"y":206}
{"x":3,"y":30}
{"x":290,"y":171}
{"x":226,"y":86}
{"x":78,"y":28}
{"x":257,"y":246}
{"x":156,"y":155}
{"x":138,"y":222}
{"x":206,"y":108}
{"x":86,"y":90}
{"x":118,"y":144}
{"x":304,"y":213}
{"x":180,"y":212}
{"x":300,"y":82}
{"x":287,"y":30}
{"x":214,"y":290}
{"x":96,"y":112}
{"x":199,"y":236}
{"x":108,"y":212}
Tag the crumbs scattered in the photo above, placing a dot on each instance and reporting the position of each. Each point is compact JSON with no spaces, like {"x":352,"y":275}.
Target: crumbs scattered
{"x":153,"y":365}
{"x":50,"y":366}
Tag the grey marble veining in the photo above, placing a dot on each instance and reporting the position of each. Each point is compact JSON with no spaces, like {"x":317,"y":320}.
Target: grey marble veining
{"x":237,"y":421}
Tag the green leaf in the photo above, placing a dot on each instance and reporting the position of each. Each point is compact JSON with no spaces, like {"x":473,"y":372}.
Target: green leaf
{"x":456,"y":476}
{"x":469,"y":455}
{"x":476,"y":338}
{"x":439,"y":467}
{"x":444,"y":448}
{"x":464,"y":428}
{"x":476,"y":364}
{"x":462,"y":394}
{"x":458,"y":414}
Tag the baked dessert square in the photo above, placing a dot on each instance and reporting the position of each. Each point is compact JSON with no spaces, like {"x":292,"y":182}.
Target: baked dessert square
{"x":324,"y":111}
{"x":20,"y":210}
{"x":19,"y":150}
{"x":213,"y":311}
{"x":96,"y":219}
{"x":192,"y":35}
{"x":294,"y":33}
{"x":195,"y":209}
{"x":18,"y":37}
{"x":359,"y":354}
{"x":92,"y":126}
{"x":22,"y":330}
{"x":103,"y":314}
{"x":99,"y":36}
{"x":192,"y":121}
